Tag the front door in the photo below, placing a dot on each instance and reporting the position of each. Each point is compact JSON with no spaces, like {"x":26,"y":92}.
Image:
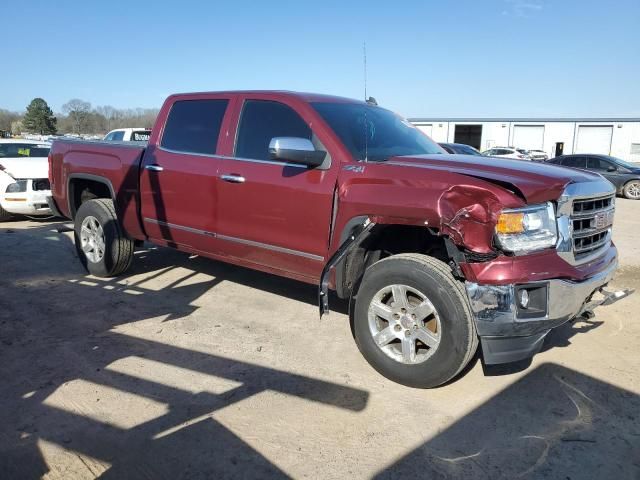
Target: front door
{"x":605,"y":168}
{"x":271,"y":213}
{"x":178,"y":177}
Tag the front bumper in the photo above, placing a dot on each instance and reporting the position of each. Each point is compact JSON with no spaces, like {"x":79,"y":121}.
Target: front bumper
{"x":508,"y":333}
{"x":26,"y":203}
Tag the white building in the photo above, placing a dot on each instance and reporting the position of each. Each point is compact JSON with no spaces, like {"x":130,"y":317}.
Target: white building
{"x":619,"y":137}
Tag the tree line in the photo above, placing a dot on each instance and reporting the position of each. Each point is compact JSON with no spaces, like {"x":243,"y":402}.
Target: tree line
{"x":77,"y":116}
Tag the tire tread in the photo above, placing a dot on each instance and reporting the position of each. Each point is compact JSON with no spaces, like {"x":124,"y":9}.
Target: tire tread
{"x":123,"y":247}
{"x":459,"y":292}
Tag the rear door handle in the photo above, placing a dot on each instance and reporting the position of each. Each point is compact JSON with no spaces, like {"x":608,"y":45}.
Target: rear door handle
{"x":154,"y":168}
{"x":233,"y":178}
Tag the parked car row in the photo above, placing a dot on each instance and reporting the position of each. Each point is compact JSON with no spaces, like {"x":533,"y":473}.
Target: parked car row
{"x":623,"y":175}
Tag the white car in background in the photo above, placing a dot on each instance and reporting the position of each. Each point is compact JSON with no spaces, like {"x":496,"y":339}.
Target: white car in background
{"x":128,"y":135}
{"x":24,"y":178}
{"x":538,"y":155}
{"x":508,"y":152}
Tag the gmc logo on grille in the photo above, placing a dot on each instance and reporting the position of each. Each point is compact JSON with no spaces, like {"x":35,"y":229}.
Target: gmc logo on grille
{"x":604,"y":219}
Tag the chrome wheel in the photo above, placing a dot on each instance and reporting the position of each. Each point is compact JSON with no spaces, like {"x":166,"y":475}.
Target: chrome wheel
{"x":633,"y":190}
{"x":92,"y":239}
{"x":404,"y":324}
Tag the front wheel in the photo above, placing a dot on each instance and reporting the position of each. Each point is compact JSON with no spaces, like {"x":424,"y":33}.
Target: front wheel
{"x":413,"y":322}
{"x":102,"y":247}
{"x":632,"y":190}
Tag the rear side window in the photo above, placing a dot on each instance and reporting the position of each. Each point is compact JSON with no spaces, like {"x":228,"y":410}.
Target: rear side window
{"x":193,"y":126}
{"x":262,"y":120}
{"x":575,"y":162}
{"x":140,"y":135}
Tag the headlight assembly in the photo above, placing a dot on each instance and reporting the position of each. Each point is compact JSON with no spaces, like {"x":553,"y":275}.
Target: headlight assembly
{"x":527,"y":229}
{"x":17,"y":187}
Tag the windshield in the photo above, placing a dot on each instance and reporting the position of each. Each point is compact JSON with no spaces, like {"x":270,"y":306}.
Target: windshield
{"x":16,"y":150}
{"x":625,"y":164}
{"x":373,"y":133}
{"x":465,"y":150}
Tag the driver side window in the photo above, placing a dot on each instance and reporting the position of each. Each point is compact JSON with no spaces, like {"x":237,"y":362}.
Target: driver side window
{"x":595,"y":163}
{"x":262,"y":120}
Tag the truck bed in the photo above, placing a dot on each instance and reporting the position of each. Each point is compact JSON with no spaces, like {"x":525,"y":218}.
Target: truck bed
{"x":82,"y":160}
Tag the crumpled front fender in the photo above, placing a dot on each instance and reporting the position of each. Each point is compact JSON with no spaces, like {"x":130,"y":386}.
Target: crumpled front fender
{"x":468,"y":215}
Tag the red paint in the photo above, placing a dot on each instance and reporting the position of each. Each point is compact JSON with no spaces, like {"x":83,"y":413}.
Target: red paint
{"x":292,"y":208}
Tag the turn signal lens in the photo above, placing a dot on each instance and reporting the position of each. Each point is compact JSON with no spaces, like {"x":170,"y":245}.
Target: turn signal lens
{"x":510,"y":223}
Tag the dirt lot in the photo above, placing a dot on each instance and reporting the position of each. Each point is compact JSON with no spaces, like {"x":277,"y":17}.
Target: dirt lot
{"x":191,"y":368}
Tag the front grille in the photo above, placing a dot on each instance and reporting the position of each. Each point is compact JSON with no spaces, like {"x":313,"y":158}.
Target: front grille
{"x":41,"y":184}
{"x":591,"y":221}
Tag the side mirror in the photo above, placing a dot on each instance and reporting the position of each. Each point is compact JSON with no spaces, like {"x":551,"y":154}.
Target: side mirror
{"x":296,"y":150}
{"x":611,"y":168}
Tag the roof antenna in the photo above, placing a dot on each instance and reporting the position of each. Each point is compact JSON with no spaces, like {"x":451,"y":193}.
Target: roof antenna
{"x":366,"y":125}
{"x":369,"y":100}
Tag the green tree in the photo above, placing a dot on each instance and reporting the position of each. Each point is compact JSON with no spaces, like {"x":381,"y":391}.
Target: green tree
{"x":39,"y":118}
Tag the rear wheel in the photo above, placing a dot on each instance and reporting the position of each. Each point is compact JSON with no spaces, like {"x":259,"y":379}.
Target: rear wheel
{"x":413,"y":322}
{"x":632,"y":190}
{"x":102,"y":247}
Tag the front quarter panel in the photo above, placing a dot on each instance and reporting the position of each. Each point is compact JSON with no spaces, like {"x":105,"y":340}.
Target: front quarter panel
{"x":460,"y":206}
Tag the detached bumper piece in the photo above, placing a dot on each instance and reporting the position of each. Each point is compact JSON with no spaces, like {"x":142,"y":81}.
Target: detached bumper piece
{"x":512,"y":320}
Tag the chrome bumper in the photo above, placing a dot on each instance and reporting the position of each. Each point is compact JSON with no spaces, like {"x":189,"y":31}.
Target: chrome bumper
{"x":506,"y":336}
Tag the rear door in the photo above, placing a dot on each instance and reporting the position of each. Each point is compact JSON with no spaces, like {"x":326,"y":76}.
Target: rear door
{"x":270,"y":213}
{"x":178,"y":177}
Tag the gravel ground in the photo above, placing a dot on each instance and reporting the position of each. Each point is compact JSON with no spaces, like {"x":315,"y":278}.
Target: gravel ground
{"x":189,"y":368}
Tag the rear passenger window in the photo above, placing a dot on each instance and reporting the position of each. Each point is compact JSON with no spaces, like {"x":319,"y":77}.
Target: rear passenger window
{"x":575,"y":162}
{"x":193,"y":126}
{"x":262,"y":120}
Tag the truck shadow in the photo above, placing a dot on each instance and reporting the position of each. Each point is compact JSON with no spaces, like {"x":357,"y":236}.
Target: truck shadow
{"x":60,"y":362}
{"x":53,"y":345}
{"x":552,"y":423}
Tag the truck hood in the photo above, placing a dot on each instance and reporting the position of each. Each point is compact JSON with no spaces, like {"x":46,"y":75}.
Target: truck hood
{"x":26,"y":167}
{"x":534,"y":182}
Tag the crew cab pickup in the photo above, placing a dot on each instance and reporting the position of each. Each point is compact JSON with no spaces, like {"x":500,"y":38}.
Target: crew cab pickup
{"x":437,"y":253}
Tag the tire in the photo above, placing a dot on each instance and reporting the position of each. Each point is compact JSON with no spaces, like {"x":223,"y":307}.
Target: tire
{"x":631,"y":190}
{"x":427,"y":282}
{"x":102,"y":234}
{"x":4,"y":215}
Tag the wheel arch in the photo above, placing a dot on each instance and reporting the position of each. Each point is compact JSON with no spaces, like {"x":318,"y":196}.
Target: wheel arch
{"x":77,"y":183}
{"x":383,"y":240}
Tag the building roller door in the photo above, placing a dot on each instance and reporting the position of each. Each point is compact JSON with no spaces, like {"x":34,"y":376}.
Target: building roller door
{"x":425,"y":128}
{"x":529,"y":137}
{"x":594,"y":139}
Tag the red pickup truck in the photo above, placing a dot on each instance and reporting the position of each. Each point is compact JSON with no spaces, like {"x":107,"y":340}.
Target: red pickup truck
{"x":436,"y":252}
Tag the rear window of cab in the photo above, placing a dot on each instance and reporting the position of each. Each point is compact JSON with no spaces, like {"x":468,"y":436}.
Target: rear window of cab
{"x":17,"y":150}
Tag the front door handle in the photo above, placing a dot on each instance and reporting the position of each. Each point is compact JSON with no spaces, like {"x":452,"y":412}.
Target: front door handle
{"x":154,"y":168}
{"x":233,"y":178}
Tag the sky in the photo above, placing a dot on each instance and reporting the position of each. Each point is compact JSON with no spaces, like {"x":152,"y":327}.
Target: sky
{"x":429,"y":58}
